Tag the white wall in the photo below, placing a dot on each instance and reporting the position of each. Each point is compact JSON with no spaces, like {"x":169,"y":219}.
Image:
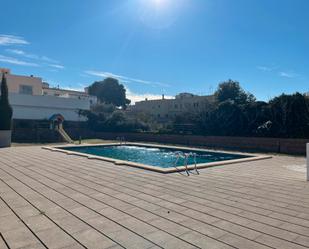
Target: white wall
{"x":69,"y":94}
{"x":43,"y":107}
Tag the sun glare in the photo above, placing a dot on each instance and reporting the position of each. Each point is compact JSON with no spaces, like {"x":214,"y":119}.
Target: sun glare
{"x":160,"y":14}
{"x":158,"y":3}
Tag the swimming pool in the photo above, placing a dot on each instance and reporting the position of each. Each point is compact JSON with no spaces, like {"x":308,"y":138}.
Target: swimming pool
{"x":154,"y":156}
{"x":164,"y":159}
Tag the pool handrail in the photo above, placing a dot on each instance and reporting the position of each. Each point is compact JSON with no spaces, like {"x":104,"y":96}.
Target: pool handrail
{"x":186,"y":160}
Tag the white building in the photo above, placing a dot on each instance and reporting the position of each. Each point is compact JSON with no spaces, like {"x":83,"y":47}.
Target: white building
{"x":32,"y":99}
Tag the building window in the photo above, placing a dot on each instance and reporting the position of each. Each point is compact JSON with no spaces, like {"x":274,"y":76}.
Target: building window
{"x":176,"y":106}
{"x":24,"y":89}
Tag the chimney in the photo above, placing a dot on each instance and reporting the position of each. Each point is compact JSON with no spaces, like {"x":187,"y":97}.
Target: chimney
{"x":162,"y":96}
{"x":146,"y":99}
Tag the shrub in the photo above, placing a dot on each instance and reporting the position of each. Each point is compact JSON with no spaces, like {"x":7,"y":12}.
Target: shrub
{"x":109,"y":119}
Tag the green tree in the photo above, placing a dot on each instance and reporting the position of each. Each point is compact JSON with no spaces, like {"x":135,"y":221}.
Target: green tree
{"x":258,"y":117}
{"x":231,"y":90}
{"x":6,"y":111}
{"x":290,"y":115}
{"x":224,"y":119}
{"x":103,"y":108}
{"x":110,"y":91}
{"x":103,"y":117}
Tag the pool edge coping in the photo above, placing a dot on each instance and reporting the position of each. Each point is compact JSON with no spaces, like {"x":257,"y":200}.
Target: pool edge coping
{"x":252,"y":157}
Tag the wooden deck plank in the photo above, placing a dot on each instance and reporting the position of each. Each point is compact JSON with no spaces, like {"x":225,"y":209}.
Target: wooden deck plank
{"x":95,"y":204}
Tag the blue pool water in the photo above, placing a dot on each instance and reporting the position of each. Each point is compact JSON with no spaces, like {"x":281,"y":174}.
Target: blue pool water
{"x":159,"y":157}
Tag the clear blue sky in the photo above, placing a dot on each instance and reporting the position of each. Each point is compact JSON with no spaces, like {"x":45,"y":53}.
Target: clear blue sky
{"x":160,"y":46}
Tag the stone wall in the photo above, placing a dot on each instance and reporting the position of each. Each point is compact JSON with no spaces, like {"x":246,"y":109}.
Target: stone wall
{"x":35,"y":135}
{"x":254,"y":144}
{"x":273,"y":145}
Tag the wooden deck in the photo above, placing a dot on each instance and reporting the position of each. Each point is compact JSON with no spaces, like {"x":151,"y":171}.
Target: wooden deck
{"x":52,"y":200}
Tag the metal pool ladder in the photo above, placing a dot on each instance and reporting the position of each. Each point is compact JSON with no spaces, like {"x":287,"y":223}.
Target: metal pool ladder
{"x":186,"y":160}
{"x":121,"y":140}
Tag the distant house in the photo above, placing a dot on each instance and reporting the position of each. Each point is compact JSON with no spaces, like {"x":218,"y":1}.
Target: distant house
{"x":33,"y":99}
{"x":166,"y":109}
